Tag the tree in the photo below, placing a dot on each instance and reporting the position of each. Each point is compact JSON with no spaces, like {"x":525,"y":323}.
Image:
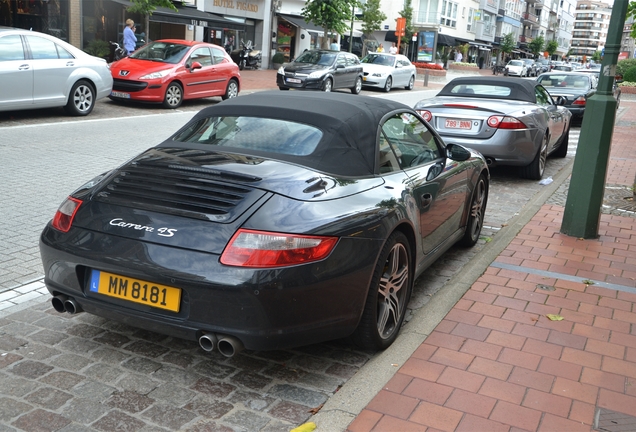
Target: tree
{"x":507,"y":43}
{"x":372,"y":18}
{"x":631,"y":12}
{"x":147,"y":7}
{"x":596,"y":56}
{"x":331,"y":15}
{"x":551,"y":47}
{"x":536,"y":46}
{"x":407,"y":13}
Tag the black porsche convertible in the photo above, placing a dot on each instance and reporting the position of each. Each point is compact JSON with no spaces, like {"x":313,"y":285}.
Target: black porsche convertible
{"x":268,"y":221}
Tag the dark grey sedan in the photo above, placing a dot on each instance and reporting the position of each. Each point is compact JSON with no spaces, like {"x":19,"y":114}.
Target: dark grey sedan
{"x":574,"y":87}
{"x":322,"y":70}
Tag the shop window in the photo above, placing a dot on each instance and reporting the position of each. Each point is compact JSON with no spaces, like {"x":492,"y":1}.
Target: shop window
{"x":49,"y":17}
{"x":285,"y":38}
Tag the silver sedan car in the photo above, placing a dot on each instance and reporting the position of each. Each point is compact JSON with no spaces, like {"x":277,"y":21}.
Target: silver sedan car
{"x":41,"y":71}
{"x":510,"y":122}
{"x":386,"y":71}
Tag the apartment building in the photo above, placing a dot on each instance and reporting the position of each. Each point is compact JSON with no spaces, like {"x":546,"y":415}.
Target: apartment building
{"x":591,"y":23}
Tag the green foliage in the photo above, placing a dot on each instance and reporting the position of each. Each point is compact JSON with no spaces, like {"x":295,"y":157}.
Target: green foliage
{"x":536,"y":46}
{"x":278,"y":58}
{"x":631,"y":12}
{"x":551,"y":47}
{"x":147,"y":7}
{"x":332,"y":15}
{"x":596,"y":56}
{"x":98,"y":48}
{"x":407,"y":13}
{"x":507,"y":43}
{"x":372,"y":17}
{"x":630,"y":74}
{"x":623,"y":65}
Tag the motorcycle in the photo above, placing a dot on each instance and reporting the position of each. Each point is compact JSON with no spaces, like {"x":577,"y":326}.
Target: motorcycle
{"x":247,"y":56}
{"x":119,"y":52}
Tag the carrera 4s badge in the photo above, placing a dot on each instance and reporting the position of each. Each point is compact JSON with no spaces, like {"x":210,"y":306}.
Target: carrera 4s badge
{"x":163,"y":231}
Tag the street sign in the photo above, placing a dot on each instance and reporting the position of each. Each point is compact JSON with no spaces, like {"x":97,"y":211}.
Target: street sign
{"x":401,"y":27}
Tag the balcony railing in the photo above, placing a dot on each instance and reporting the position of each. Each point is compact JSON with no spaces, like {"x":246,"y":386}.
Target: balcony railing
{"x":422,"y":18}
{"x":527,"y":16}
{"x":525,"y":39}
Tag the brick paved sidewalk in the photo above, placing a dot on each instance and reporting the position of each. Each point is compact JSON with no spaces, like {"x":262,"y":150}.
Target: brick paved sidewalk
{"x":497,"y":363}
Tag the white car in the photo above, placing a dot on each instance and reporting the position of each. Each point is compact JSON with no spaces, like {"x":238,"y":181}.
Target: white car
{"x":516,"y":68}
{"x":386,"y":71}
{"x":41,"y":71}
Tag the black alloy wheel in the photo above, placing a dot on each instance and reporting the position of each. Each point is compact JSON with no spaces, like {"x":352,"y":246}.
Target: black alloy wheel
{"x":536,"y":168}
{"x":476,"y":213}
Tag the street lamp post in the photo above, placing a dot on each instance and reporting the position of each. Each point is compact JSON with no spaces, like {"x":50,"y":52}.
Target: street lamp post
{"x":585,"y":196}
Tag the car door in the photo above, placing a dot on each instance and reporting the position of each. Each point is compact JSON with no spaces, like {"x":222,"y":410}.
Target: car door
{"x":223,"y":67}
{"x":438,"y":186}
{"x":401,"y":73}
{"x":199,"y":82}
{"x":341,"y":78}
{"x":554,"y":115}
{"x":354,"y":68}
{"x":16,"y":74}
{"x":52,"y":70}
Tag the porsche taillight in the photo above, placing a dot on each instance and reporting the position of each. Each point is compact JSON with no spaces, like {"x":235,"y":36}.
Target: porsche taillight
{"x":63,"y":218}
{"x":249,"y":248}
{"x":579,"y":101}
{"x":426,"y":115}
{"x":505,"y":122}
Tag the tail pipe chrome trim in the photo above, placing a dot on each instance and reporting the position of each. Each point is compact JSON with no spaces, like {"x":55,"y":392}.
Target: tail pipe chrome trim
{"x":229,"y":346}
{"x":71,"y":306}
{"x":58,"y":303}
{"x":208,"y":341}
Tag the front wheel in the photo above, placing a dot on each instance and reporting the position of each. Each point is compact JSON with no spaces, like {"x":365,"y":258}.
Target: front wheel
{"x":242,"y":64}
{"x":81,"y":100}
{"x":357,"y":87}
{"x":388,"y":295}
{"x":476,"y":216}
{"x":388,"y":84}
{"x":411,"y":83}
{"x":327,"y":85}
{"x":535,"y":170}
{"x":232,"y":90}
{"x":174,"y":96}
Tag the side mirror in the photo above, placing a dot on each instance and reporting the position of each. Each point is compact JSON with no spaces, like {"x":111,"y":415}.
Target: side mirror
{"x":561,"y":100}
{"x":194,"y":65}
{"x":457,"y":152}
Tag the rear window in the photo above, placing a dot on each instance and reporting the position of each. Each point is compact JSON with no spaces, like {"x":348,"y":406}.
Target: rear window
{"x":255,"y":133}
{"x":481,"y":90}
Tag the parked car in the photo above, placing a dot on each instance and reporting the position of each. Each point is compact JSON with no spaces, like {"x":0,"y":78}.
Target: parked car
{"x":170,"y":71}
{"x":511,"y":122}
{"x":563,"y":68}
{"x":516,"y":68}
{"x":532,"y":67}
{"x":574,"y":87}
{"x":545,"y":65}
{"x":616,"y":90}
{"x":42,"y":71}
{"x":267,"y":221}
{"x":321,"y":70}
{"x":386,"y":71}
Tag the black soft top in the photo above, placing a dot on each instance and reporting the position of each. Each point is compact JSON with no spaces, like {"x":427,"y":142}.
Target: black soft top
{"x":522,"y":90}
{"x":349,"y":124}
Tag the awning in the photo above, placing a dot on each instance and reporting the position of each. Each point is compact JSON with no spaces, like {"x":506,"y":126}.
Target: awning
{"x":483,"y":47}
{"x":446,"y":40}
{"x":390,"y":36}
{"x":299,"y":21}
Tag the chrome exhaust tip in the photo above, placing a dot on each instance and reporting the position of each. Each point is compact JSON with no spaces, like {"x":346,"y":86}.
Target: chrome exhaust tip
{"x":71,"y":306}
{"x":58,"y":303}
{"x":208,"y":341}
{"x":229,"y":346}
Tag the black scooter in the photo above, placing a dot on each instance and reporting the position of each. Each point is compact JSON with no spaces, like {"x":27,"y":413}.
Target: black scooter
{"x":247,"y":56}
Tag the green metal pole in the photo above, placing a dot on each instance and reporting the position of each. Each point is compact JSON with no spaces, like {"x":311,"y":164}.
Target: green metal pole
{"x":585,"y":196}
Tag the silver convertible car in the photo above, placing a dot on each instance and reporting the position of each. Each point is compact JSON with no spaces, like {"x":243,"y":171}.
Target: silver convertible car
{"x":511,"y":122}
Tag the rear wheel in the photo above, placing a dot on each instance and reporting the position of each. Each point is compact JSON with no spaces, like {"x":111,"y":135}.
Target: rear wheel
{"x":357,"y":87}
{"x":327,"y":85}
{"x":388,"y":295}
{"x":232,"y":90}
{"x":476,"y":215}
{"x":174,"y":96}
{"x":242,"y":64}
{"x":388,"y":84}
{"x":411,"y":83}
{"x":562,"y":150}
{"x":535,"y":170}
{"x":81,"y":100}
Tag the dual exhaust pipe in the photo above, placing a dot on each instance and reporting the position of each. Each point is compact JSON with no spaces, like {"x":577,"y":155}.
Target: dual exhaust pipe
{"x":62,"y":303}
{"x":227,"y":345}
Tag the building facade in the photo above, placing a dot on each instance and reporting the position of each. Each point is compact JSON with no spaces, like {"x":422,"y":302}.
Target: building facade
{"x":591,"y":22}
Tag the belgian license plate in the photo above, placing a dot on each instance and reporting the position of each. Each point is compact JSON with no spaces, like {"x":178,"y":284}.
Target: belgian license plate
{"x":135,"y":290}
{"x":458,"y":124}
{"x":120,"y":94}
{"x":293,"y":80}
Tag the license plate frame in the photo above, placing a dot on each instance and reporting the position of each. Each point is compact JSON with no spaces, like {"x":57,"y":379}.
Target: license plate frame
{"x":120,"y":94}
{"x":458,"y":124}
{"x":135,"y":290}
{"x":293,"y":80}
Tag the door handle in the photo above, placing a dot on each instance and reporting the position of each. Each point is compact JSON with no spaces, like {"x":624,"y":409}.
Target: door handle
{"x":70,"y":63}
{"x":24,"y":67}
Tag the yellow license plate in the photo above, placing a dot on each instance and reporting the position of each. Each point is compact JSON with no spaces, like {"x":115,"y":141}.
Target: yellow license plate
{"x":135,"y":290}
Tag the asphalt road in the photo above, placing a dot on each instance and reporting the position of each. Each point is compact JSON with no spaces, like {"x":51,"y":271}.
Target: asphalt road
{"x":107,"y":373}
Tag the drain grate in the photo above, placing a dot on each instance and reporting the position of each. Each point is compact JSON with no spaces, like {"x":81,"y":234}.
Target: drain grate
{"x":612,"y":421}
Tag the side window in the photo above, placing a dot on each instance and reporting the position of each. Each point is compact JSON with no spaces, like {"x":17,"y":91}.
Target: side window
{"x":11,"y":48}
{"x":42,"y":49}
{"x":201,"y":55}
{"x":412,"y":141}
{"x":218,"y":55}
{"x":341,"y":60}
{"x":543,"y":97}
{"x":62,"y":53}
{"x":352,"y":60}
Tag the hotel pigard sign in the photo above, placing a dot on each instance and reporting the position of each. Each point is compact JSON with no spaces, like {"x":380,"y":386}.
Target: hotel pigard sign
{"x":247,"y":9}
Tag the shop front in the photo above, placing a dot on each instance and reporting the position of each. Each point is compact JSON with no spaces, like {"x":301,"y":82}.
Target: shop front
{"x":293,"y":35}
{"x":46,"y":16}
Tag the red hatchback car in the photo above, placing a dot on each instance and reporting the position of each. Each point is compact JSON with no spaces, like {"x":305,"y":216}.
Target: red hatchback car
{"x":170,"y":71}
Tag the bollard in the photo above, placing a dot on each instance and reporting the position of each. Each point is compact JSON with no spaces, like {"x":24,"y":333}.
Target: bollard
{"x":426,"y":78}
